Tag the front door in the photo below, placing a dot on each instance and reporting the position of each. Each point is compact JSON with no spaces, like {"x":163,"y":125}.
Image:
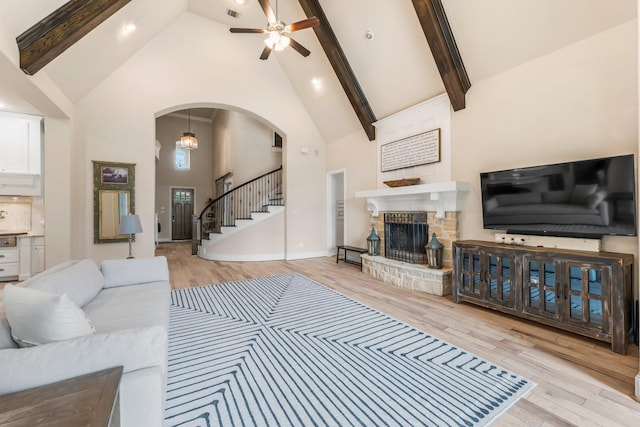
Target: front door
{"x":182,"y":210}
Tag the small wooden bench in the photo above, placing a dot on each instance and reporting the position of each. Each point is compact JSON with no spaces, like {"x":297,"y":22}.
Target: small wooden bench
{"x":347,"y":248}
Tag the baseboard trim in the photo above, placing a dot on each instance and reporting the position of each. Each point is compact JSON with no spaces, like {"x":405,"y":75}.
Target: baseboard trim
{"x":241,"y":257}
{"x":304,"y":255}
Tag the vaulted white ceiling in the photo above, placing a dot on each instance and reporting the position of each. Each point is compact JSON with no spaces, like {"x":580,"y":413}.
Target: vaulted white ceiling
{"x":395,"y":67}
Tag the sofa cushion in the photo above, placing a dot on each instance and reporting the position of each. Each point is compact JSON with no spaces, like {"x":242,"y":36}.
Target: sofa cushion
{"x":123,"y":272}
{"x":131,"y":307}
{"x":48,"y":271}
{"x":518,"y":199}
{"x":80,"y":281}
{"x":558,"y":196}
{"x":38,"y":317}
{"x":134,"y":349}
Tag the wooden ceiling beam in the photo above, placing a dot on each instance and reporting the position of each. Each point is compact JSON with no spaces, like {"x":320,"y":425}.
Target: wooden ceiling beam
{"x":435,"y":26}
{"x":341,"y":67}
{"x":47,"y":39}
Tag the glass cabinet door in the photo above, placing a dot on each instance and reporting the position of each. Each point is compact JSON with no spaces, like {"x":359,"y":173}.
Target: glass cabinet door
{"x":470,"y":271}
{"x":500,"y":270}
{"x":541,"y":287}
{"x":585,"y":297}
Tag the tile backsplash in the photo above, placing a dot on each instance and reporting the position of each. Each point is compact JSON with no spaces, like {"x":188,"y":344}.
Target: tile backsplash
{"x":15,"y":214}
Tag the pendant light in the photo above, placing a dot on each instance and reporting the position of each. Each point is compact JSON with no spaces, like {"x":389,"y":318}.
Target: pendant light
{"x":188,"y":140}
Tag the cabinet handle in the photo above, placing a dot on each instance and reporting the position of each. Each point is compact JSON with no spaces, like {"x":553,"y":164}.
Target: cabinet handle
{"x":566,"y":290}
{"x":2,"y":256}
{"x":1,"y":269}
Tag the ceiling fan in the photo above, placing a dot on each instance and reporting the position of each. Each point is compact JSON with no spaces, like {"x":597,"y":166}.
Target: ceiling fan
{"x":279,"y":32}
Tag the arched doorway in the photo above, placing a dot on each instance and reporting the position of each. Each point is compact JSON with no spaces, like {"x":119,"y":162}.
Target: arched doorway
{"x":233,"y":147}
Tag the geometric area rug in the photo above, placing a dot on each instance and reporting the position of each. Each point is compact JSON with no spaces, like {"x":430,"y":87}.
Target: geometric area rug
{"x":287,"y":351}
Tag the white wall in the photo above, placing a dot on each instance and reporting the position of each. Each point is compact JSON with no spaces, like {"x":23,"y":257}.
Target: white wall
{"x":261,"y":241}
{"x":357,"y":156}
{"x":429,"y":115}
{"x":577,"y":103}
{"x":58,"y":214}
{"x":116,"y":122}
{"x":199,"y":176}
{"x":243,"y":146}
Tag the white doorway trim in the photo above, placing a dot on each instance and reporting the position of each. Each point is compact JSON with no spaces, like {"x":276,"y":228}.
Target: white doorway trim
{"x":331,"y":212}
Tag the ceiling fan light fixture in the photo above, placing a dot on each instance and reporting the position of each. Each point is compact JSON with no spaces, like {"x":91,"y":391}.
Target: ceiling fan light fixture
{"x":277,"y":41}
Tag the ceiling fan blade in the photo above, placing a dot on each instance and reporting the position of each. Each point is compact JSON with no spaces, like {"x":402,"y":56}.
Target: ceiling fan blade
{"x":268,"y":11}
{"x":299,"y":48}
{"x":246,"y":30}
{"x":305,"y":23}
{"x":265,"y":53}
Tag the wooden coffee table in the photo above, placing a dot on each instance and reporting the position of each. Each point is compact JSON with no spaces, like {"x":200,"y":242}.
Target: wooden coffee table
{"x":87,"y":400}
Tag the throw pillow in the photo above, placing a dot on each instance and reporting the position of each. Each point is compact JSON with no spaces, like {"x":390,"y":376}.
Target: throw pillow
{"x":490,"y":204}
{"x":580,"y":193}
{"x":594,"y":200}
{"x":37,"y":317}
{"x":81,"y":282}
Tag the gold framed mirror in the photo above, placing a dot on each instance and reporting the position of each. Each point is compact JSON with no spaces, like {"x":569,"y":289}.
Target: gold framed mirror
{"x":113,"y":197}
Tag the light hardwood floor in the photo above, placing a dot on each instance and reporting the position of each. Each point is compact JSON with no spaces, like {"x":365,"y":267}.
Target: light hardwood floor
{"x":579,"y":381}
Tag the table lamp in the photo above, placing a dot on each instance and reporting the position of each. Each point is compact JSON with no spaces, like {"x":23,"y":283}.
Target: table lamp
{"x":130,"y":224}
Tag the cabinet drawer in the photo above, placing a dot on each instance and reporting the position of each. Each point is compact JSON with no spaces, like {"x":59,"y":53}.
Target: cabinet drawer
{"x":9,"y":269}
{"x":9,"y":255}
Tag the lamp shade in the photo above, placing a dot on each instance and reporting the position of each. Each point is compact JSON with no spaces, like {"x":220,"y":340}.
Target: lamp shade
{"x":130,"y":224}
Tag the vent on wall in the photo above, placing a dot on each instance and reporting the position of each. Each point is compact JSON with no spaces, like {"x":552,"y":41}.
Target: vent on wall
{"x":232,"y":13}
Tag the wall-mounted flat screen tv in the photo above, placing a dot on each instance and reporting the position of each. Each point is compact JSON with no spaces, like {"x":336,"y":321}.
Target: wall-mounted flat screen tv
{"x":585,"y":198}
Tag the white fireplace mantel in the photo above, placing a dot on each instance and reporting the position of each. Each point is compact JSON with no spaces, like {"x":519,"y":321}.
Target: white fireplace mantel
{"x":440,"y":197}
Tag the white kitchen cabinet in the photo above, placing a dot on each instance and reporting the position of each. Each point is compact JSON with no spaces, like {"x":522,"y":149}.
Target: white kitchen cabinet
{"x":9,"y":263}
{"x":31,"y":256}
{"x":37,"y":255}
{"x":20,"y":154}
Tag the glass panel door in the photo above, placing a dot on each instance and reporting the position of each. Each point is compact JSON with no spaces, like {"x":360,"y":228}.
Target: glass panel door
{"x":540,"y":287}
{"x":585,"y":294}
{"x":471,"y":268}
{"x":499,"y":279}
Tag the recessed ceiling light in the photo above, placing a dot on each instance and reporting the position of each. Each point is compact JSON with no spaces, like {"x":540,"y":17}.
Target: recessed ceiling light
{"x":3,"y":105}
{"x":240,"y":1}
{"x":129,"y":27}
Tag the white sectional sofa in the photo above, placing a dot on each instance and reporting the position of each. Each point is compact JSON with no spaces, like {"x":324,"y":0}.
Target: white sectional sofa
{"x":127,"y":304}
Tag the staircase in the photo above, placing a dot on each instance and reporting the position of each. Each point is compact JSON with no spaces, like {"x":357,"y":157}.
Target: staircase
{"x":242,"y":207}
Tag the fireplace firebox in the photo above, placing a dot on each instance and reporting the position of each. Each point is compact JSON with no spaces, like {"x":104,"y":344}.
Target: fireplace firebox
{"x":406,"y":235}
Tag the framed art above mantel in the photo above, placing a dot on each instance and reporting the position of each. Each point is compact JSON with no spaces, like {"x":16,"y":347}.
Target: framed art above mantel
{"x":420,"y":149}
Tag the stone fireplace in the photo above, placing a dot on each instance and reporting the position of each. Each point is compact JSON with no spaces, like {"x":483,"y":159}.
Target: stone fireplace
{"x":441,"y":204}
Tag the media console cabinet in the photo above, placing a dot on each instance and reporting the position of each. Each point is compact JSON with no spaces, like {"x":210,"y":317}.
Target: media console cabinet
{"x":588,"y":293}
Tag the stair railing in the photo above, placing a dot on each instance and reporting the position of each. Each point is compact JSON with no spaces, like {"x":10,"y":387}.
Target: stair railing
{"x":238,"y":203}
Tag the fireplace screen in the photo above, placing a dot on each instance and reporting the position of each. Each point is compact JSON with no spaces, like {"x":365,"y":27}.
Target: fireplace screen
{"x":406,"y":235}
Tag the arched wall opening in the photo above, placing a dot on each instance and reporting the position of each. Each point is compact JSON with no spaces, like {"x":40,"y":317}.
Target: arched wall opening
{"x":234,"y":147}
